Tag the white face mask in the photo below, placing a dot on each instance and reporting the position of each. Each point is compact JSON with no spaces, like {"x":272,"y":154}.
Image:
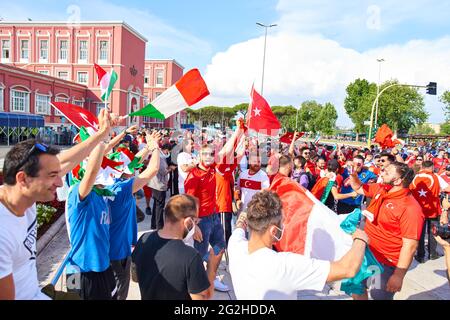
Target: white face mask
{"x":190,"y":233}
{"x":279,"y":235}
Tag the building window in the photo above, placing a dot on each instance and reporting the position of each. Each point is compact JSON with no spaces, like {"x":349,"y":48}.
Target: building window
{"x":24,"y":51}
{"x":82,"y":77}
{"x":5,"y":50}
{"x":100,"y":106}
{"x":63,"y":51}
{"x":42,"y":104}
{"x":159,"y":78}
{"x":60,"y":99}
{"x":64,"y":75}
{"x":78,"y":103}
{"x":43,"y":50}
{"x":83,"y":51}
{"x":146,"y":77}
{"x":20,"y":101}
{"x":45,"y":72}
{"x":1,"y":97}
{"x":103,"y":54}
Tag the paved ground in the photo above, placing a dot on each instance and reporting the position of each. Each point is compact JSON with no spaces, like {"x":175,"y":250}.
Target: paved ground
{"x":426,"y":281}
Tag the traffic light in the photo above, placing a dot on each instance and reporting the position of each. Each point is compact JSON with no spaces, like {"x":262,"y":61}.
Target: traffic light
{"x":432,"y":88}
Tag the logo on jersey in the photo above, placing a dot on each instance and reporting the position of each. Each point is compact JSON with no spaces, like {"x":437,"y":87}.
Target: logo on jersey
{"x":30,"y":240}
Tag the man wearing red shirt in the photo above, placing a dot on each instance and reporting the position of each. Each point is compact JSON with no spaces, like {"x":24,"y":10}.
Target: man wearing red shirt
{"x":426,"y":188}
{"x":394,"y":225}
{"x":440,"y":162}
{"x":201,"y":183}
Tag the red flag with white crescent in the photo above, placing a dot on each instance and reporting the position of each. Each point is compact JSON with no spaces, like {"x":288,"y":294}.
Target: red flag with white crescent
{"x":78,"y":116}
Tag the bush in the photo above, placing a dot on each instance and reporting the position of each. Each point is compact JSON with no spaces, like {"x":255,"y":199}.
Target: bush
{"x":44,"y":214}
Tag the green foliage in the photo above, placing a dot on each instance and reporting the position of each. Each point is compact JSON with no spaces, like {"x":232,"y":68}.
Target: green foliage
{"x":314,"y":117}
{"x":421,"y":129}
{"x":44,"y":214}
{"x":445,"y":128}
{"x":445,"y":99}
{"x":358,"y":103}
{"x":400,"y":107}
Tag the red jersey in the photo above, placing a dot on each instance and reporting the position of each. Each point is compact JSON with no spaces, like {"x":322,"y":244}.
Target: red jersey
{"x":225,"y":186}
{"x":397,"y":219}
{"x":426,"y":189}
{"x":202,"y":184}
{"x":440,"y":164}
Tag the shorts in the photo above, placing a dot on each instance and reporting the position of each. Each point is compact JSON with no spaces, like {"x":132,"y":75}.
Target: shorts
{"x":95,"y":285}
{"x":212,"y":232}
{"x":147,"y":192}
{"x":377,"y":284}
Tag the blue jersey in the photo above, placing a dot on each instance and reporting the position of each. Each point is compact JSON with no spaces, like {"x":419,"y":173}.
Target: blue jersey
{"x":365,"y":175}
{"x":88,"y":226}
{"x":123,"y":229}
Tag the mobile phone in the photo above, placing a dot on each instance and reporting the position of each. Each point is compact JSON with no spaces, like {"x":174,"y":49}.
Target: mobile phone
{"x":350,"y":170}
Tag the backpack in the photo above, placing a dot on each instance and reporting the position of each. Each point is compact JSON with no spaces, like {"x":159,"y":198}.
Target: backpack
{"x":311,"y":179}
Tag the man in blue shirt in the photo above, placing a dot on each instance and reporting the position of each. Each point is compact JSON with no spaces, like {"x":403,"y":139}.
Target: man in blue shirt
{"x":345,"y":206}
{"x":88,"y":220}
{"x":123,"y":228}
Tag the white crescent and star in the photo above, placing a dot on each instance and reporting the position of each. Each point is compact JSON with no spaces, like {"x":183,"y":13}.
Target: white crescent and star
{"x":390,"y":206}
{"x":245,"y":184}
{"x":257,"y":111}
{"x":424,"y":175}
{"x":422,"y":193}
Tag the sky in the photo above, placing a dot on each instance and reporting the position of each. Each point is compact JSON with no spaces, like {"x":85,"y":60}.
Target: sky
{"x":317,"y":48}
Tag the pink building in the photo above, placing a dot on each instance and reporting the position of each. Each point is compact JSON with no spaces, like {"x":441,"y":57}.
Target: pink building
{"x":68,"y":52}
{"x":158,"y":76}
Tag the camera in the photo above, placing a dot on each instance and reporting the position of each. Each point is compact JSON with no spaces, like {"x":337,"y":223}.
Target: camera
{"x":441,"y":231}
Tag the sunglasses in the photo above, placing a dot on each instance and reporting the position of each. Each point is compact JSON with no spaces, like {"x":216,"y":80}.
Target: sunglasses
{"x":306,"y":153}
{"x":208,"y":154}
{"x":38,"y":147}
{"x":419,"y":159}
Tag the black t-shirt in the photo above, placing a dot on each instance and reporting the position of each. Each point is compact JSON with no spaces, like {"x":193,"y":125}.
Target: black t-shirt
{"x":168,"y":269}
{"x":329,"y":202}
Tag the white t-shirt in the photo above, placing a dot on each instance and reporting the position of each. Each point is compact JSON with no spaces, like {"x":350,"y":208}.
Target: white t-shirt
{"x":244,"y":163}
{"x":251,"y":184}
{"x":183,"y":159}
{"x":269,"y":275}
{"x":18,"y":252}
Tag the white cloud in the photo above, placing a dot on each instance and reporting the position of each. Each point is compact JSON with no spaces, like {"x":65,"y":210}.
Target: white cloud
{"x":300,"y":67}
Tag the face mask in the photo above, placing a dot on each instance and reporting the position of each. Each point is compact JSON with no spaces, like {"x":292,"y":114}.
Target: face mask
{"x":189,"y":233}
{"x":279,"y":234}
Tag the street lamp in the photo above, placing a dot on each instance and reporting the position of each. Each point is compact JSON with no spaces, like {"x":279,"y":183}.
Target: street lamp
{"x":264,"y":56}
{"x":378,"y":88}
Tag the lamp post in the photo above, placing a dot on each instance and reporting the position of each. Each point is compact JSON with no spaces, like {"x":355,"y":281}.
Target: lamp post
{"x":264,"y":56}
{"x":378,"y":88}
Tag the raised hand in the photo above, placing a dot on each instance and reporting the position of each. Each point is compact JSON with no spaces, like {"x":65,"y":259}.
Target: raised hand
{"x":132,"y":130}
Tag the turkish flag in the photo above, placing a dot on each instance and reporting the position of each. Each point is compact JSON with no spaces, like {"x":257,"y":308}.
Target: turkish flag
{"x":384,"y":137}
{"x":260,"y":117}
{"x":100,"y":72}
{"x":250,"y":184}
{"x":78,"y":116}
{"x":287,"y":137}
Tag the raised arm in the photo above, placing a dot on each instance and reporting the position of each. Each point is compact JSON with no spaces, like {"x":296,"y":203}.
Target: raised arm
{"x":116,"y":140}
{"x":153,"y":165}
{"x":93,"y":165}
{"x":70,"y":158}
{"x":229,"y":147}
{"x":356,"y":184}
{"x":292,"y":146}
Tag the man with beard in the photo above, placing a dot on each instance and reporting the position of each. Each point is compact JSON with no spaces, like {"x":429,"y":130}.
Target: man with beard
{"x":166,"y":268}
{"x":394,"y":225}
{"x":250,"y":182}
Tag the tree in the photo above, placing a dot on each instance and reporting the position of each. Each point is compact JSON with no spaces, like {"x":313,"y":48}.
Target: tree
{"x":445,"y":128}
{"x":326,"y":123}
{"x":445,"y":99}
{"x":314,"y":117}
{"x":286,"y":115}
{"x":358,"y":103}
{"x":422,"y":129}
{"x":401,"y":107}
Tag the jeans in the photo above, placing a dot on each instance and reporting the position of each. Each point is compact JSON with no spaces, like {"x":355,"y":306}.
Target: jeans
{"x":159,"y":201}
{"x":378,"y":288}
{"x":432,"y":244}
{"x":212,"y":232}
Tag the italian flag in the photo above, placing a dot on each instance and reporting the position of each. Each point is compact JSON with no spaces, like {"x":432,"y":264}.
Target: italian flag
{"x":187,"y":91}
{"x":106,"y":81}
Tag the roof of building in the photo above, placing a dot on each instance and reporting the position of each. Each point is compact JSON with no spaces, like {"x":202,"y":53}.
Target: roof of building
{"x":165,"y":60}
{"x":84,"y":23}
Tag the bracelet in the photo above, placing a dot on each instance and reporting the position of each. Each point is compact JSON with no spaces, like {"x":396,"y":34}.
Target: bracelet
{"x":361,"y":240}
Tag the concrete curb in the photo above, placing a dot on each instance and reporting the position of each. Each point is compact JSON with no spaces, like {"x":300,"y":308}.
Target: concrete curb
{"x":50,"y":234}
